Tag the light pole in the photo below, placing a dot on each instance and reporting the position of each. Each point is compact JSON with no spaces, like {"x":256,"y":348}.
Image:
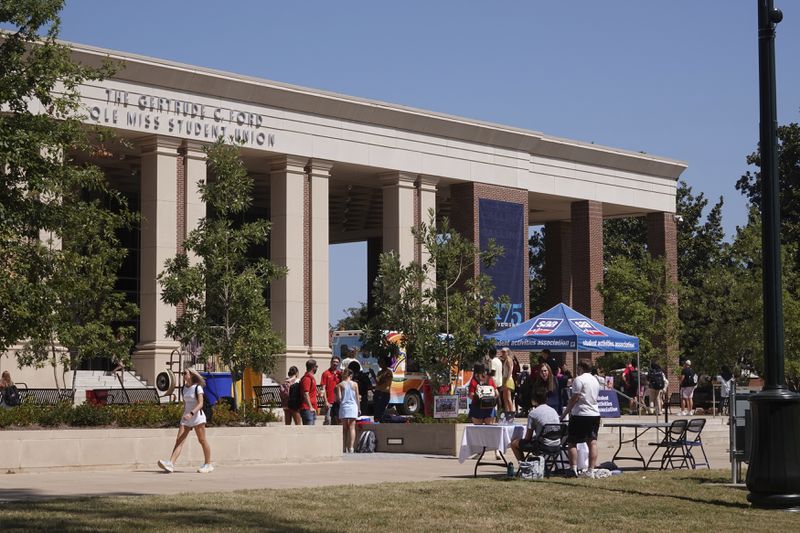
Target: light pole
{"x":773,"y":476}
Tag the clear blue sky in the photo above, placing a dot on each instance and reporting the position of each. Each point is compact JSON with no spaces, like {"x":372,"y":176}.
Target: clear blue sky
{"x":676,"y":78}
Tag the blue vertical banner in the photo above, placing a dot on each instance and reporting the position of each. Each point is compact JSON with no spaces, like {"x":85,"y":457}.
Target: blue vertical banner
{"x":505,"y":223}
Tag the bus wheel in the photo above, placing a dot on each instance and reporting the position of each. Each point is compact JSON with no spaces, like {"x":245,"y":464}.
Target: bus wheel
{"x":412,"y":403}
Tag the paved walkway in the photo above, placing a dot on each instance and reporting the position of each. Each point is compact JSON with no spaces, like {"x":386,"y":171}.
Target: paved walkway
{"x":356,"y":469}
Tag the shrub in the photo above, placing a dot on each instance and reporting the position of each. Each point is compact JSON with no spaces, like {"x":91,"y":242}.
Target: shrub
{"x":134,"y":415}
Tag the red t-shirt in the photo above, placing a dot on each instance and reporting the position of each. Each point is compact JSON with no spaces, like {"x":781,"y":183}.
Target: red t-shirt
{"x":308,"y":384}
{"x":329,"y":381}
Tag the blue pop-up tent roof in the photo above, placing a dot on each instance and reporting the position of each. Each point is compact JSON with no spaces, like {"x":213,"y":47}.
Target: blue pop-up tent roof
{"x":562,"y":329}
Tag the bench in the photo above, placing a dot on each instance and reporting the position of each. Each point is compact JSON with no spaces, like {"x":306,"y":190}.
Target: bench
{"x":123,"y":396}
{"x":269,"y":395}
{"x":46,"y":396}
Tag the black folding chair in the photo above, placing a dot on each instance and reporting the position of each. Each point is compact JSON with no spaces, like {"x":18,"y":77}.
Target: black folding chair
{"x":552,"y":433}
{"x":672,"y":442}
{"x":692,"y":439}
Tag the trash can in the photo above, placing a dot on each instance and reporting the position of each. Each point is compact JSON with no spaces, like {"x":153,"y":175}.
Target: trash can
{"x":218,"y":385}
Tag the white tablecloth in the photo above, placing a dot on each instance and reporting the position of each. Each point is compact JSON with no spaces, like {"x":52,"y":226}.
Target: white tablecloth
{"x":476,"y":438}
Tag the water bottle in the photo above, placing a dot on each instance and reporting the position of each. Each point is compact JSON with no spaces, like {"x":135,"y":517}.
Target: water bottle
{"x":510,"y":469}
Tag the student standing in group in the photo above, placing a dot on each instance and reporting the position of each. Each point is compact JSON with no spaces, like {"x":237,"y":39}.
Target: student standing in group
{"x":383,"y":388}
{"x":193,"y":419}
{"x":330,"y":378}
{"x":688,"y":384}
{"x":481,"y":415}
{"x":308,"y":391}
{"x":655,"y":383}
{"x":348,"y":398}
{"x":725,"y":378}
{"x":547,"y":381}
{"x":584,"y":417}
{"x":508,"y":383}
{"x":291,"y":412}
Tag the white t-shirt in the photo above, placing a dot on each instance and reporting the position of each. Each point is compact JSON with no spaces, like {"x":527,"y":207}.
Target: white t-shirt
{"x":588,"y":388}
{"x":497,"y":366}
{"x":190,"y":404}
{"x":541,"y":416}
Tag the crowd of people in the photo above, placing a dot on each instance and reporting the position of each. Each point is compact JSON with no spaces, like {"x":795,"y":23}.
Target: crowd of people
{"x":344,"y":393}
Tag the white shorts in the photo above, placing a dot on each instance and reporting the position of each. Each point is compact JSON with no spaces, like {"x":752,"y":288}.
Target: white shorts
{"x":687,"y":392}
{"x":198,"y":418}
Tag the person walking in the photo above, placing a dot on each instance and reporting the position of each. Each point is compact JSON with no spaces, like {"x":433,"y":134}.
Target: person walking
{"x":291,"y":412}
{"x":383,"y":387}
{"x":308,"y":393}
{"x":347,"y":396}
{"x":330,"y":378}
{"x":584,"y":417}
{"x":193,"y":419}
{"x":687,"y":386}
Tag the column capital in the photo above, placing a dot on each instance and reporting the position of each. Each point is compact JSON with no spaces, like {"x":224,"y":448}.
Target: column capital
{"x":194,"y":149}
{"x":427,"y":183}
{"x":398,"y":179}
{"x":158,"y":144}
{"x":288,"y":163}
{"x":319,"y":167}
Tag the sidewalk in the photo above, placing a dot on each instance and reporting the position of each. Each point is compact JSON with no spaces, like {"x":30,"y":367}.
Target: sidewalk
{"x":355,"y":469}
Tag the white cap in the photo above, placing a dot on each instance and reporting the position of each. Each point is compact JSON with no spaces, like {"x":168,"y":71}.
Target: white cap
{"x":687,"y":362}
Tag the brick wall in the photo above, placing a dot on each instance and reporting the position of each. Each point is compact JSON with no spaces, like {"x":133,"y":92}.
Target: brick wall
{"x":558,"y":263}
{"x":180,"y":223}
{"x":587,"y":261}
{"x":662,"y":241}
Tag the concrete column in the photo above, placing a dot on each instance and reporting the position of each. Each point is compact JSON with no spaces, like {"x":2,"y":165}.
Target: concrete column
{"x":195,"y":172}
{"x":287,"y":242}
{"x":319,"y":175}
{"x":398,"y":214}
{"x":587,"y":260}
{"x":557,"y":263}
{"x":159,"y":177}
{"x":662,"y":241}
{"x":426,"y":201}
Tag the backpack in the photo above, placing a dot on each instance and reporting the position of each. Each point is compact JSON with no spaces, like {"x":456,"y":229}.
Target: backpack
{"x":207,"y":407}
{"x":656,"y":379}
{"x":486,"y":398}
{"x":366,"y":442}
{"x":295,"y":396}
{"x":11,"y":396}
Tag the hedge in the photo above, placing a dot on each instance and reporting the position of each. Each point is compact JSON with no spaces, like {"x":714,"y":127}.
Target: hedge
{"x":135,"y":415}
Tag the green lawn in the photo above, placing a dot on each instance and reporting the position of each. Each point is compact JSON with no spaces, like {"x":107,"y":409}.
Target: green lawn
{"x":652,"y":502}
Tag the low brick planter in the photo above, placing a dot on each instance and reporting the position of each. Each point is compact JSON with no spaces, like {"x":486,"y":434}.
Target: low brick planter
{"x":132,"y":449}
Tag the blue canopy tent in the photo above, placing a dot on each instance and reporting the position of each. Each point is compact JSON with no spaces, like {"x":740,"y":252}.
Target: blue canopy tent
{"x":562,"y":329}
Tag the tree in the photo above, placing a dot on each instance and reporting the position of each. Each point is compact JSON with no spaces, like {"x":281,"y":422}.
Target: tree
{"x":441,"y":322}
{"x":222,"y":290}
{"x":789,"y":183}
{"x":50,"y":294}
{"x":637,"y":300}
{"x":355,"y":318}
{"x":537,"y":279}
{"x":86,"y":313}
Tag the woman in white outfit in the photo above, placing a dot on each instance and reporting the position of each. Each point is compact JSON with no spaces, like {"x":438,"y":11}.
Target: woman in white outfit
{"x":193,"y":418}
{"x":349,"y":400}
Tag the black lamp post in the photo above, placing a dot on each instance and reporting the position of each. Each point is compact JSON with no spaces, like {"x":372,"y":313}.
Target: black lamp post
{"x":773,"y":476}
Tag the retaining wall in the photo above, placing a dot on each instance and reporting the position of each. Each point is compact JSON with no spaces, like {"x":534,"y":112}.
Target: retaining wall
{"x":132,"y":449}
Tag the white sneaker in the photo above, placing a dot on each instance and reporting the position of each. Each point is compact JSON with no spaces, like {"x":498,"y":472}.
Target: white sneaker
{"x":586,"y":474}
{"x":166,"y":466}
{"x":206,"y":468}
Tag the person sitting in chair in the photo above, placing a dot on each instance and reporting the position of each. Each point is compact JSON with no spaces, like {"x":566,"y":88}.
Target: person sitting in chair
{"x":541,"y":415}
